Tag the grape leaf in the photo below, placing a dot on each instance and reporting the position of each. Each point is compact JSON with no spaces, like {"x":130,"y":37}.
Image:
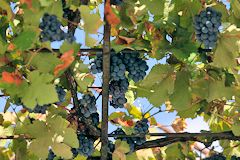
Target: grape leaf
{"x":44,"y":62}
{"x":235,"y":5}
{"x":156,"y":7}
{"x":217,"y":89}
{"x":236,"y":129}
{"x":158,"y":85}
{"x":62,"y":150}
{"x":181,"y":97}
{"x":25,"y":40}
{"x":66,"y":46}
{"x":228,"y":48}
{"x":39,"y":91}
{"x":92,"y":22}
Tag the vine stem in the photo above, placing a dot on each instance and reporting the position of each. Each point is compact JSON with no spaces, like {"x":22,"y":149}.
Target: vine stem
{"x":105,"y":87}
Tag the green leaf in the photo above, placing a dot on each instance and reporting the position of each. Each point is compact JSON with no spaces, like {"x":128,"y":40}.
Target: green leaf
{"x":46,"y":3}
{"x":115,"y":115}
{"x":62,"y":150}
{"x":236,"y":129}
{"x":217,"y":89}
{"x":66,"y":46}
{"x":228,"y":48}
{"x":92,"y":22}
{"x":40,"y":90}
{"x":20,"y":148}
{"x":181,"y":97}
{"x":44,"y":62}
{"x":57,"y":124}
{"x":174,"y":148}
{"x":235,"y":5}
{"x":70,"y":138}
{"x":6,"y":6}
{"x":33,"y":129}
{"x":25,"y":40}
{"x":84,"y":80}
{"x":44,"y":142}
{"x":158,"y":85}
{"x":156,"y":7}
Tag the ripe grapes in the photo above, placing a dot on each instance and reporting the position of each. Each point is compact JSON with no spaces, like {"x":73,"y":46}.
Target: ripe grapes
{"x":117,"y":69}
{"x":87,"y":105}
{"x":86,"y":145}
{"x":206,"y":26}
{"x":216,"y":157}
{"x":120,"y":63}
{"x":235,"y":158}
{"x":135,"y":66}
{"x":51,"y":155}
{"x":95,"y":119}
{"x":61,"y":94}
{"x":96,"y":64}
{"x":118,"y":89}
{"x":51,"y":30}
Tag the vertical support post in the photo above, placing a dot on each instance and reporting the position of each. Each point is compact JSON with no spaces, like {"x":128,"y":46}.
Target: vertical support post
{"x":105,"y":87}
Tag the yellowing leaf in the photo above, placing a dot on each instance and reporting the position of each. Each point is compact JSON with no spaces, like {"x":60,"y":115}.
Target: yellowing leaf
{"x":67,"y":58}
{"x":92,"y":22}
{"x":62,"y":150}
{"x":179,"y":124}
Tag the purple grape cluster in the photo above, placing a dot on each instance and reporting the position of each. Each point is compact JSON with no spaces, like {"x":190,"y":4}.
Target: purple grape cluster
{"x":118,"y":89}
{"x":61,"y":94}
{"x":86,"y":145}
{"x":87,"y":105}
{"x":119,"y":65}
{"x":51,"y":29}
{"x":141,"y":127}
{"x":96,"y":65}
{"x":135,"y":66}
{"x":206,"y":26}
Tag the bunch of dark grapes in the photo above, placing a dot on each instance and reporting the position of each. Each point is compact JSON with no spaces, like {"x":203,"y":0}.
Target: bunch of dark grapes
{"x":95,"y":119}
{"x":72,"y":17}
{"x":116,"y":2}
{"x":136,"y":66}
{"x":117,"y":69}
{"x":86,"y":145}
{"x":39,"y":109}
{"x":87,"y":105}
{"x":216,"y":157}
{"x":141,"y":127}
{"x":61,"y":94}
{"x":118,"y":89}
{"x":235,"y":158}
{"x":51,"y":155}
{"x":51,"y":29}
{"x":207,"y":25}
{"x":96,"y":64}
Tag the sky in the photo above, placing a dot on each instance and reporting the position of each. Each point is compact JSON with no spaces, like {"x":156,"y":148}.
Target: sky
{"x":193,"y":125}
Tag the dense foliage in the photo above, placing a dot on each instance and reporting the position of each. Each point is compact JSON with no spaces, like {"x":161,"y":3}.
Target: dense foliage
{"x":180,"y":57}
